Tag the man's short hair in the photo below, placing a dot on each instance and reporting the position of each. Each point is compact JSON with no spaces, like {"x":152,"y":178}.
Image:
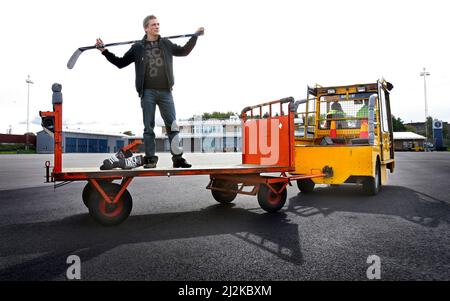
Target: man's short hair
{"x":147,"y":20}
{"x":336,"y":106}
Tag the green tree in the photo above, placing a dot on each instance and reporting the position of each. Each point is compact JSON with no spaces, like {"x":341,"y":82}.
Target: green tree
{"x":445,"y":130}
{"x":216,"y":115}
{"x":430,"y":128}
{"x":398,"y":124}
{"x":128,"y":133}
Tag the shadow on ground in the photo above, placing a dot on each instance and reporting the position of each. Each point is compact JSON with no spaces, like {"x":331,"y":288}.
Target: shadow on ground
{"x":52,"y":242}
{"x":411,"y":205}
{"x":80,"y":235}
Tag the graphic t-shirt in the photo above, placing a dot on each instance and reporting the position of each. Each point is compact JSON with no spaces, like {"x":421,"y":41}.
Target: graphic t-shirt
{"x":155,"y":71}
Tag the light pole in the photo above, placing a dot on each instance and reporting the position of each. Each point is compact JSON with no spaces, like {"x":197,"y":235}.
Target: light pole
{"x":28,"y":81}
{"x":425,"y":74}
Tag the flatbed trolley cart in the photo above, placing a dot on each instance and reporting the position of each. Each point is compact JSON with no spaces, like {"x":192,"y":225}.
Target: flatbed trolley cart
{"x":268,"y":147}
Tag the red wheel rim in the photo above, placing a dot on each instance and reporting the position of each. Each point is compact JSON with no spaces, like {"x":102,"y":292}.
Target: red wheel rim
{"x":110,"y":213}
{"x":273,"y":198}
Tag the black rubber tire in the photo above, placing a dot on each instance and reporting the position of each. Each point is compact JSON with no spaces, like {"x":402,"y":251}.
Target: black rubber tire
{"x":221,"y":196}
{"x":372,"y":185}
{"x":114,"y":215}
{"x":306,"y":185}
{"x":269,"y":201}
{"x":88,"y":189}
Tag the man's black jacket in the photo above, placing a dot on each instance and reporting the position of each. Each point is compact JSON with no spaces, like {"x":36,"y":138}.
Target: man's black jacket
{"x":136,"y":54}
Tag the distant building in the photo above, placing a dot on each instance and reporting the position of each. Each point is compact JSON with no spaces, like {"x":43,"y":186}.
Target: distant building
{"x":405,"y":141}
{"x":419,"y":127}
{"x":77,"y":141}
{"x":18,"y":139}
{"x":210,"y":135}
{"x":160,"y":141}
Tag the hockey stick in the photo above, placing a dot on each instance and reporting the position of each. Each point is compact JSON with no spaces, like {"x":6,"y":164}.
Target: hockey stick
{"x":73,"y":59}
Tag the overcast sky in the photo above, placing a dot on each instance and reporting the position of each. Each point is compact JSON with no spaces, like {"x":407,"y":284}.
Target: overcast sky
{"x":252,"y":52}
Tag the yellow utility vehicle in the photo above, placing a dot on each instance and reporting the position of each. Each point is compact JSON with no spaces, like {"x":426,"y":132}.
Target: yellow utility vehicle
{"x":418,"y":148}
{"x":345,"y":132}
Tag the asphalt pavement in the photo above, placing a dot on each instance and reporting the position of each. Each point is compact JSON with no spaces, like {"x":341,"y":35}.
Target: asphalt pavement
{"x":177,"y":231}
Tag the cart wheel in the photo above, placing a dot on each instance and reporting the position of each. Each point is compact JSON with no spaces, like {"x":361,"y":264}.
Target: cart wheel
{"x":221,"y":196}
{"x":306,"y":185}
{"x":372,"y":185}
{"x":107,"y":214}
{"x":88,"y":189}
{"x":270,"y":201}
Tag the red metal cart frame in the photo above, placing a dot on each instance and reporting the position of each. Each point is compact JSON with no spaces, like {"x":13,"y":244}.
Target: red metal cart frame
{"x":110,"y":203}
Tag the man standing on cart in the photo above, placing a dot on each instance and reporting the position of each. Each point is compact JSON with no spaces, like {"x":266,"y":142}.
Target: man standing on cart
{"x":153,"y":58}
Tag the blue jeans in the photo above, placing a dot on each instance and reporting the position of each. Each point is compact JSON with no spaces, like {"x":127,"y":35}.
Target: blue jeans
{"x":164,"y":100}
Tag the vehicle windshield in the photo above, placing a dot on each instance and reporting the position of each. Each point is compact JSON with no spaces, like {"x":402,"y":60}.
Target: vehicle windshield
{"x":348,"y":111}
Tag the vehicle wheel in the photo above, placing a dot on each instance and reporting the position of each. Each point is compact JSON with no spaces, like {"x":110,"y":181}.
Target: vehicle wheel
{"x":88,"y":189}
{"x":270,"y":201}
{"x":221,"y":196}
{"x":306,"y":185}
{"x":104,"y":213}
{"x":372,"y":185}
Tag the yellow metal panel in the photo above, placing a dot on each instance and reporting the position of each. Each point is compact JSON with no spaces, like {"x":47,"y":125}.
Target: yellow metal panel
{"x":346,"y":161}
{"x":383,"y":174}
{"x":386,"y":146}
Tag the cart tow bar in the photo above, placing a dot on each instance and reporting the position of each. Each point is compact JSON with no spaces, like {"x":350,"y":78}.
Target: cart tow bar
{"x":47,"y":172}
